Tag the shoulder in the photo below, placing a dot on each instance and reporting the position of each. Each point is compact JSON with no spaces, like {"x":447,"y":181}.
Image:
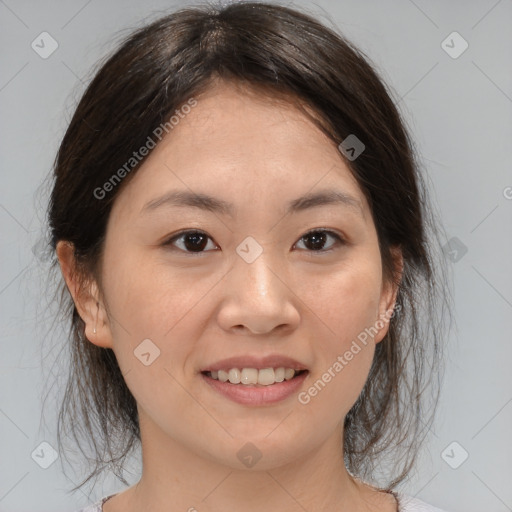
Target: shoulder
{"x":96,"y":507}
{"x":410,"y":504}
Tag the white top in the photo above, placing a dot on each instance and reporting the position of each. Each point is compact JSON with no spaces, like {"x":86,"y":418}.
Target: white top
{"x":406,"y":504}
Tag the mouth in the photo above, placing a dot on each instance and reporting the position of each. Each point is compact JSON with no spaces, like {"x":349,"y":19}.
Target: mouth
{"x":255,"y":387}
{"x":254,"y":377}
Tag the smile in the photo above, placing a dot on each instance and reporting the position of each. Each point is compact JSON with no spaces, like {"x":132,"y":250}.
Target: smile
{"x":255,"y":387}
{"x":253,"y":376}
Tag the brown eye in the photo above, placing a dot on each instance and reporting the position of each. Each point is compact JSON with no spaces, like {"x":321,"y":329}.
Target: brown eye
{"x":317,"y":240}
{"x":190,"y":241}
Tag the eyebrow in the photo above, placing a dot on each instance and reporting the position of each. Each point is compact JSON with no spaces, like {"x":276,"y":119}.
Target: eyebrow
{"x":205,"y":202}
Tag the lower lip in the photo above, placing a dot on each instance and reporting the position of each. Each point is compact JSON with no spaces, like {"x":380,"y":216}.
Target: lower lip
{"x":257,"y":395}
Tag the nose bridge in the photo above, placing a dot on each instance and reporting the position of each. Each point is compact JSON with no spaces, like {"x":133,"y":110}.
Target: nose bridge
{"x":256,"y":295}
{"x":255,"y":273}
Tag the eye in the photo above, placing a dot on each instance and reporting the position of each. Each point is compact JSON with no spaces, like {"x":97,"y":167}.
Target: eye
{"x":191,"y":241}
{"x":316,"y":240}
{"x":195,"y":241}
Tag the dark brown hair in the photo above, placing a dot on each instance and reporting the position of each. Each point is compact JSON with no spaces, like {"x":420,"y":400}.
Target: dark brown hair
{"x":282,"y":52}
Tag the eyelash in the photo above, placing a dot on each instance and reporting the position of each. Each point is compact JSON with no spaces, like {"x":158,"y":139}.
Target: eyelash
{"x":338,"y":239}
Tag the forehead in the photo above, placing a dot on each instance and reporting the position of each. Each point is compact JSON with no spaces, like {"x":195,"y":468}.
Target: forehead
{"x":240,"y":118}
{"x":242,"y":144}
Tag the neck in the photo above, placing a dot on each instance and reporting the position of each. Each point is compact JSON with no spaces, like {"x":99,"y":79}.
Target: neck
{"x":174,"y":475}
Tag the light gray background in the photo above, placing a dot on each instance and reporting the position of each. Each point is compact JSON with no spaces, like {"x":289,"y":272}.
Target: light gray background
{"x":459,"y":112}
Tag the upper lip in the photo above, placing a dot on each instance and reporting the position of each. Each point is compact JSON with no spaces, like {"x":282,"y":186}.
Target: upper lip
{"x":258,"y":362}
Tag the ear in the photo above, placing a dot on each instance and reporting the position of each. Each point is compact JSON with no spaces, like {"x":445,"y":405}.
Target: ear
{"x":388,"y":295}
{"x":86,"y":296}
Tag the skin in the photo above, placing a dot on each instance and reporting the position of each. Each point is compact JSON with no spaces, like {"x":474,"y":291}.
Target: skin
{"x":259,"y":154}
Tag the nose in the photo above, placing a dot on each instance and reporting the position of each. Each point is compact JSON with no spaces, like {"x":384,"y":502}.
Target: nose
{"x":257,"y":298}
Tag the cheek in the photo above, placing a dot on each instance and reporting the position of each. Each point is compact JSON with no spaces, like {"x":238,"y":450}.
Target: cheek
{"x":154,"y":318}
{"x":345,"y":301}
{"x":153,"y":303}
{"x":151,"y":299}
{"x":345,"y":310}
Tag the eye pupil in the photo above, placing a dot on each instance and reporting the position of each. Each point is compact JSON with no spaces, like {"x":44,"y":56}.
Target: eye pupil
{"x":318,"y":240}
{"x":198,"y":242}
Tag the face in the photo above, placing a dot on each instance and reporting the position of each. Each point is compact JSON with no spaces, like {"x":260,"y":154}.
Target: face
{"x":280,"y":267}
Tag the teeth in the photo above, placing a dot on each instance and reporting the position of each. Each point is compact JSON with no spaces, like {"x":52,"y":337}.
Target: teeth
{"x":266,"y":376}
{"x":249,"y":376}
{"x":252,"y":376}
{"x":234,"y":376}
{"x":289,"y":373}
{"x":279,"y":374}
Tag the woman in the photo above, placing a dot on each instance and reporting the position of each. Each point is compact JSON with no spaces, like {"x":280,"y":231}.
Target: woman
{"x":240,"y":223}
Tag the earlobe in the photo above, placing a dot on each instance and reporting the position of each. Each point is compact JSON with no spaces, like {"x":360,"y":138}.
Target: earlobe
{"x":389,"y":294}
{"x":85,"y":294}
